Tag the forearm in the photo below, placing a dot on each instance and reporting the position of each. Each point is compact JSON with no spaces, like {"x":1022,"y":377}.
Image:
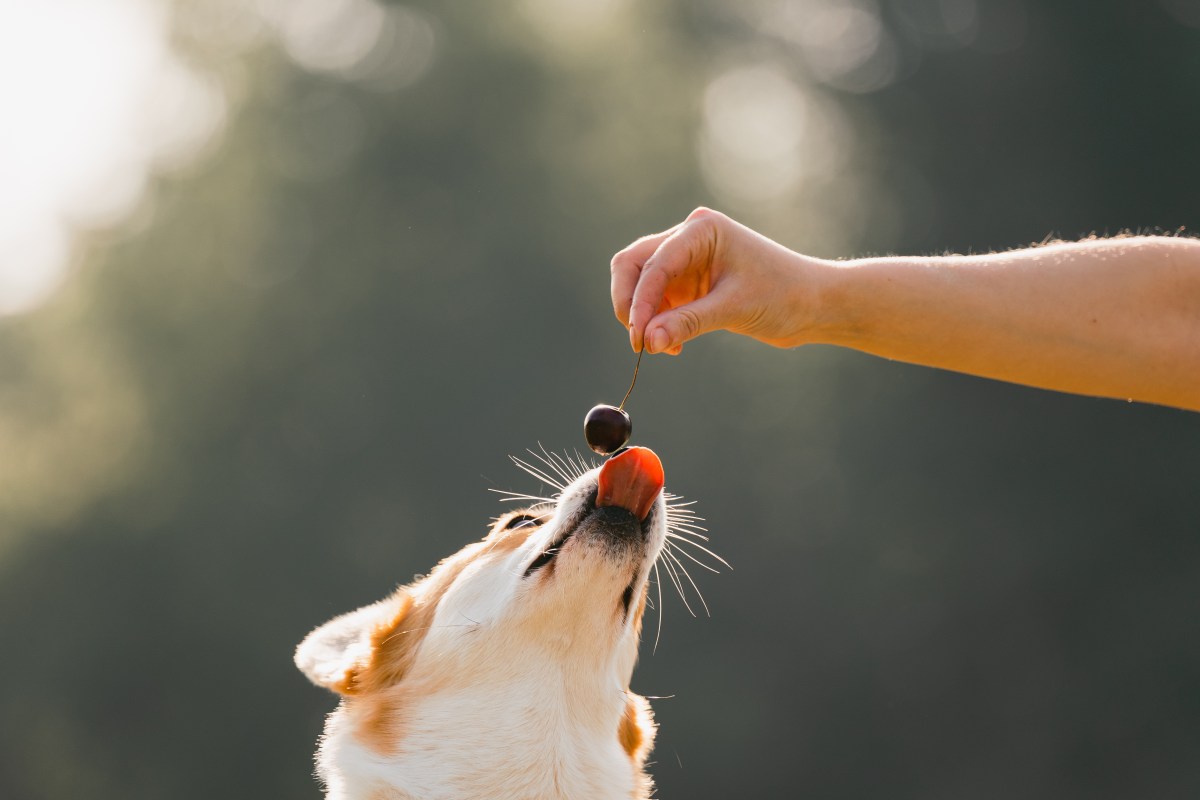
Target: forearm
{"x":1114,"y":318}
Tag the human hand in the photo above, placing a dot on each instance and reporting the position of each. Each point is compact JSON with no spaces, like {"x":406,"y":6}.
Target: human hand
{"x":711,"y":273}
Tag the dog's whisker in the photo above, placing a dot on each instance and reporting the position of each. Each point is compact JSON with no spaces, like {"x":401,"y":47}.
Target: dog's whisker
{"x":688,"y":575}
{"x":677,"y":501}
{"x":577,"y":462}
{"x":690,"y":520}
{"x":686,"y":536}
{"x":685,"y":532}
{"x":680,"y":551}
{"x":568,"y":468}
{"x":548,"y":459}
{"x":518,"y":496}
{"x":540,"y":474}
{"x":575,"y":470}
{"x":684,"y":526}
{"x":523,"y":494}
{"x":561,"y":467}
{"x":585,"y":462}
{"x":658,"y":586}
{"x":698,"y":546}
{"x":670,"y":568}
{"x":537,"y":473}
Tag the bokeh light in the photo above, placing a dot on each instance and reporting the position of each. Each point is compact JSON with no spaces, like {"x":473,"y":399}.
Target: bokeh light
{"x":94,"y":101}
{"x":97,"y":101}
{"x":844,"y":44}
{"x":571,"y":25}
{"x":764,"y":134}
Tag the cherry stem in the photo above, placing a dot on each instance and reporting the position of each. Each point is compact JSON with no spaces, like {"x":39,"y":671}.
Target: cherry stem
{"x":632,"y":382}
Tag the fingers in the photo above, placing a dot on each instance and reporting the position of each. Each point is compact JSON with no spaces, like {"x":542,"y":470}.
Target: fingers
{"x":687,"y":249}
{"x":627,"y":268}
{"x":672,"y":268}
{"x":647,"y":298}
{"x":667,"y":332}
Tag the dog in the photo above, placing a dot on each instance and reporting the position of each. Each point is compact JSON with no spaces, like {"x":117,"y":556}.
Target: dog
{"x":505,"y":672}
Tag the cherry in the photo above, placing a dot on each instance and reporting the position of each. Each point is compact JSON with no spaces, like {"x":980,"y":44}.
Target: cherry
{"x":607,"y":429}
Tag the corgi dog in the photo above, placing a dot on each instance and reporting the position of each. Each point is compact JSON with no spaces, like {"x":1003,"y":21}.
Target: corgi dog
{"x":505,"y":672}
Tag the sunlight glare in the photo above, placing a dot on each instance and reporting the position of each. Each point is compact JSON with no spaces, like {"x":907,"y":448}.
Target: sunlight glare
{"x":78,"y":81}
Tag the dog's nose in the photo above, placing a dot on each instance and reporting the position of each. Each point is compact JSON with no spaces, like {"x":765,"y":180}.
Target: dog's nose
{"x":631,"y":480}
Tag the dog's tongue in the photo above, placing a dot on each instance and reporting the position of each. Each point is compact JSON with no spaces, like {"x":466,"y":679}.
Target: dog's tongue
{"x":631,"y":480}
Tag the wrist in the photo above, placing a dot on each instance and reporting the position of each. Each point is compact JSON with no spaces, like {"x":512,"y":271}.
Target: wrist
{"x":789,"y":312}
{"x":825,"y":291}
{"x":856,"y":298}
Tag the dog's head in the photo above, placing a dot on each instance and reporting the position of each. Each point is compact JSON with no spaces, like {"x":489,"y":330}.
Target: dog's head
{"x":524,"y":641}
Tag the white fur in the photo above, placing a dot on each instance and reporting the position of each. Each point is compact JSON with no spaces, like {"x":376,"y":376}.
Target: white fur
{"x":519,"y":686}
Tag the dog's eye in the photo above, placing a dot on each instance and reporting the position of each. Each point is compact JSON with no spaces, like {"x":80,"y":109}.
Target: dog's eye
{"x":520,"y":521}
{"x":542,"y":560}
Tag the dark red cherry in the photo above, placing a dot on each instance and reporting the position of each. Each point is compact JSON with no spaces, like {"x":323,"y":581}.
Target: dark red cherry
{"x":607,"y":429}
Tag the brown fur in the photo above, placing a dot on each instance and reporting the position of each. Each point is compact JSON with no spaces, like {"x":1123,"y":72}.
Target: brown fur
{"x":394,"y":645}
{"x":628,"y":732}
{"x":379,"y":696}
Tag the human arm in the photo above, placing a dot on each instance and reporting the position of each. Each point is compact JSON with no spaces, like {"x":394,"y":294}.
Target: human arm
{"x":1108,"y":317}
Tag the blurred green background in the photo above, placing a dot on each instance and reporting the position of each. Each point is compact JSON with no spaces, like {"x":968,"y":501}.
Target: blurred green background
{"x":284,"y":283}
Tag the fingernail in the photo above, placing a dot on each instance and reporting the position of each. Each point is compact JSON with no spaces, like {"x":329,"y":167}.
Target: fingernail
{"x":632,"y":339}
{"x":659,"y":341}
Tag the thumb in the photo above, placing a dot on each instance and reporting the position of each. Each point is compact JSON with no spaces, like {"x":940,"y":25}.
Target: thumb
{"x":670,"y":329}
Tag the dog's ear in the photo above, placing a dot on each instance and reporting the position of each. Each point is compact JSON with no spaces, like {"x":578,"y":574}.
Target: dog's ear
{"x":337,"y":654}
